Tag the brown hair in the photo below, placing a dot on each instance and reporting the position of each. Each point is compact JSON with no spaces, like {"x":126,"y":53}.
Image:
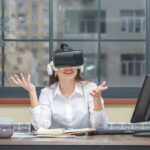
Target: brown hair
{"x":54,"y":78}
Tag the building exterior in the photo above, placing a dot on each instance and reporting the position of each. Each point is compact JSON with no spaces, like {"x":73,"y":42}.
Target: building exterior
{"x":111,"y":33}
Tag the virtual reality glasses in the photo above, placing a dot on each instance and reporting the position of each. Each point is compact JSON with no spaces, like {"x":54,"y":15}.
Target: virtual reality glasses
{"x":68,"y":59}
{"x":71,"y":58}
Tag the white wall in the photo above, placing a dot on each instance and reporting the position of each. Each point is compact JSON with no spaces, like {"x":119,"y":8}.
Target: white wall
{"x":21,"y":113}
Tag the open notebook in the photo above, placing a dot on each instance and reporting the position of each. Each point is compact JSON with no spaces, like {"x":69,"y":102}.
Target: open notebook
{"x":64,"y":132}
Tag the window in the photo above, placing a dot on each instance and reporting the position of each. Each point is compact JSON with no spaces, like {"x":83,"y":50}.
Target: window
{"x":116,"y":54}
{"x":22,"y":5}
{"x":87,"y":22}
{"x":132,"y":64}
{"x":84,"y":21}
{"x":132,"y":20}
{"x":34,"y":5}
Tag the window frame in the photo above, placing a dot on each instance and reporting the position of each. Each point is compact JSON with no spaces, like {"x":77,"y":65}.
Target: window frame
{"x":113,"y":92}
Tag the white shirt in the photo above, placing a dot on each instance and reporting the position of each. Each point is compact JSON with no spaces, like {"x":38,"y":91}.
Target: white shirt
{"x":57,"y":111}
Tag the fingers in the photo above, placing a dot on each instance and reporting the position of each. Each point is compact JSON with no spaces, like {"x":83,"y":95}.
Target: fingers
{"x":23,"y":79}
{"x":97,"y":91}
{"x":14,"y":80}
{"x":101,"y":87}
{"x":19,"y":81}
{"x":93,"y":93}
{"x":28,"y":78}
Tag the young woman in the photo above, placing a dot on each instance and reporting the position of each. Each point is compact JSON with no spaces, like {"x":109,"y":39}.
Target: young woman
{"x":68,"y":102}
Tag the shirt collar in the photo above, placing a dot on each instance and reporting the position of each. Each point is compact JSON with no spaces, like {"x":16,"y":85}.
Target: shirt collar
{"x":78,"y":90}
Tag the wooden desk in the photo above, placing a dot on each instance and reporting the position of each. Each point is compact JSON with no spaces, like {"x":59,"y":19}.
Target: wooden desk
{"x":95,"y":142}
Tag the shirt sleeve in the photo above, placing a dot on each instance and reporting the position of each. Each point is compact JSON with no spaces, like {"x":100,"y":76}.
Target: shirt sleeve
{"x":41,"y":115}
{"x":98,"y":119}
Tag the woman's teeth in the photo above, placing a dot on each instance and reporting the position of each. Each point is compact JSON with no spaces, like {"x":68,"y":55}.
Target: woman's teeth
{"x":68,"y":71}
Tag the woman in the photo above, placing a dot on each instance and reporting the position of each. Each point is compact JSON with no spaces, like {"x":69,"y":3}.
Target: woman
{"x":68,"y":102}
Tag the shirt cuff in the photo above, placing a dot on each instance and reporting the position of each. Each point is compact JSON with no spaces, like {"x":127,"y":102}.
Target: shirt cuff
{"x":99,"y":120}
{"x":98,"y":113}
{"x":35,"y":110}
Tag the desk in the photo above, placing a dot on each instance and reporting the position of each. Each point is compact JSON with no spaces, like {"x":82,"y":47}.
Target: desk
{"x":95,"y":142}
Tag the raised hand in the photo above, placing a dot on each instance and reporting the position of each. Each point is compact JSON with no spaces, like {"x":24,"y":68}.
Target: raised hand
{"x":100,"y":88}
{"x":22,"y":82}
{"x":27,"y":85}
{"x":96,"y":94}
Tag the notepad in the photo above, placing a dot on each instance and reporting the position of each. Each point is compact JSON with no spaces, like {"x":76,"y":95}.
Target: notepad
{"x":58,"y":131}
{"x":42,"y":131}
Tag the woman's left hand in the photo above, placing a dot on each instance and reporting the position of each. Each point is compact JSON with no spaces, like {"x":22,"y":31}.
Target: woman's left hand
{"x":100,"y":88}
{"x":98,"y":105}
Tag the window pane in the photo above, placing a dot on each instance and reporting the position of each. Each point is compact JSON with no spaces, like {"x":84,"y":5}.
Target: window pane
{"x":27,"y":57}
{"x":123,"y":69}
{"x":138,"y":25}
{"x":131,"y":69}
{"x":1,"y":66}
{"x":27,"y":19}
{"x":0,"y":8}
{"x":90,"y":57}
{"x":76,"y":19}
{"x":1,"y":43}
{"x":122,"y":63}
{"x":138,"y":68}
{"x":125,"y":19}
{"x":125,"y":63}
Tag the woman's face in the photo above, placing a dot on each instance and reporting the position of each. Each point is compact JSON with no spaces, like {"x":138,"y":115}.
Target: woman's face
{"x":67,"y":73}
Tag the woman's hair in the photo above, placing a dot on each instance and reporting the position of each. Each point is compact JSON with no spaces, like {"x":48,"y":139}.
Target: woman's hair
{"x":54,"y":78}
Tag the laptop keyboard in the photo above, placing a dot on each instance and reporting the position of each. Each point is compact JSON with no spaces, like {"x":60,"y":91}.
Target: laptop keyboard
{"x":125,"y":128}
{"x":112,"y":128}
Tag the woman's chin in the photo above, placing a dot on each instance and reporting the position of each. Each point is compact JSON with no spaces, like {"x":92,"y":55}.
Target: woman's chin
{"x":69,"y":77}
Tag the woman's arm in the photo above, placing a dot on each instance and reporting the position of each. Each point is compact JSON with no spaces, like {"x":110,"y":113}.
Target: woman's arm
{"x":41,"y":114}
{"x":98,"y":115}
{"x":96,"y":94}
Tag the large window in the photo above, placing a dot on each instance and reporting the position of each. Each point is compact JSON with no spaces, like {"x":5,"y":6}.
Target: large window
{"x":111,"y":33}
{"x":83,"y":21}
{"x":132,"y":64}
{"x":133,"y":20}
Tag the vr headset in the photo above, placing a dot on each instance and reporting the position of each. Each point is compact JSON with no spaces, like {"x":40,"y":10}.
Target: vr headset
{"x":71,"y":58}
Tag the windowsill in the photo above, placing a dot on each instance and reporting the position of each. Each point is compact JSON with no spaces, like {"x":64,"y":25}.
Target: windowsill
{"x":113,"y":96}
{"x":108,"y":101}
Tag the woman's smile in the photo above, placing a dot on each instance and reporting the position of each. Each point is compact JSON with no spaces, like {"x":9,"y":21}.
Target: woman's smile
{"x":68,"y":71}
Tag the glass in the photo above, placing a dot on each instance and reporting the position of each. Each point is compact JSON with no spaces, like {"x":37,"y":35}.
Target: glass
{"x":0,"y":45}
{"x":27,"y":57}
{"x":24,"y":19}
{"x":0,"y":66}
{"x":124,"y":63}
{"x":125,"y":19}
{"x":0,"y":8}
{"x":90,"y":51}
{"x":75,"y":19}
{"x":122,"y":42}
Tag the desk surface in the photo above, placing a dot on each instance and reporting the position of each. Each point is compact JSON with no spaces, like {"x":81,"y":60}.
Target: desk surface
{"x":101,"y":141}
{"x":124,"y":139}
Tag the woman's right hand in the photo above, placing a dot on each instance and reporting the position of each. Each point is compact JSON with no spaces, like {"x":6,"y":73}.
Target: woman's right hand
{"x":22,"y":82}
